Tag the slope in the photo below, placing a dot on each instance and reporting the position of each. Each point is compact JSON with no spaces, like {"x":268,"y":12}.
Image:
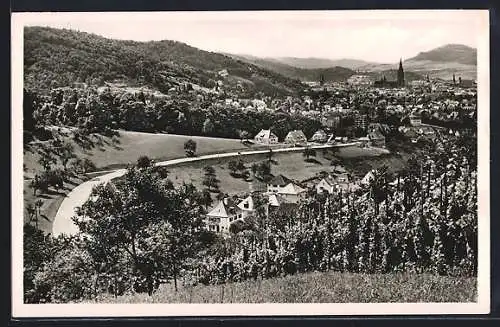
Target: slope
{"x":441,"y":62}
{"x":457,"y":53}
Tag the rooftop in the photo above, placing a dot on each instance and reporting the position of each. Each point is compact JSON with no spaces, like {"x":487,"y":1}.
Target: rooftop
{"x":280,"y":180}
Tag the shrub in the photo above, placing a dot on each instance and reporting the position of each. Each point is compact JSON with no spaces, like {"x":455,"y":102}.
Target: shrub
{"x":190,"y":148}
{"x":67,"y":277}
{"x":144,"y":162}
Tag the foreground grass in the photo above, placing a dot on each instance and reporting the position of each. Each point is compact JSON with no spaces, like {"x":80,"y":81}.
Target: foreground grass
{"x":329,"y":287}
{"x":290,"y":164}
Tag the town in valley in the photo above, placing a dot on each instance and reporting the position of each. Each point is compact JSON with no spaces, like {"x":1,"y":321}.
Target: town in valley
{"x":155,"y":171}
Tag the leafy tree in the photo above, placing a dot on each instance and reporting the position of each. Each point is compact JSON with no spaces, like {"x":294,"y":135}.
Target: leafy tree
{"x":208,"y":127}
{"x":46,"y":159}
{"x":254,"y":168}
{"x":270,"y":154}
{"x":210,"y":179}
{"x":82,"y":166}
{"x":36,"y":251}
{"x":190,"y":148}
{"x":264,"y":169}
{"x":38,"y":183}
{"x":66,"y":277}
{"x":244,"y":135}
{"x":309,"y":152}
{"x":153,"y":228}
{"x":206,"y":198}
{"x":66,"y":153}
{"x":232,"y":165}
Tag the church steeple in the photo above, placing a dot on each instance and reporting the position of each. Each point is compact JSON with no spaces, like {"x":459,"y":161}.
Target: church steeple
{"x":401,"y":73}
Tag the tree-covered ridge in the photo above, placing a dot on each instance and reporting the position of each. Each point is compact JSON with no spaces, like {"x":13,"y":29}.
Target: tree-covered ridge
{"x":60,"y":57}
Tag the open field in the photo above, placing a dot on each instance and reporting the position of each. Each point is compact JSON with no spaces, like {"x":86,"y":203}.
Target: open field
{"x":117,"y":152}
{"x":112,"y":152}
{"x":329,"y":287}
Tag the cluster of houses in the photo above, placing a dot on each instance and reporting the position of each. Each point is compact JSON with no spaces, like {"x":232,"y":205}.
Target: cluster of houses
{"x":298,"y":138}
{"x":282,"y":194}
{"x":280,"y":191}
{"x":375,"y":137}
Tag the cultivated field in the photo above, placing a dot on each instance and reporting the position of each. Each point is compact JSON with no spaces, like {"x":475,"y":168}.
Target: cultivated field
{"x":329,"y":287}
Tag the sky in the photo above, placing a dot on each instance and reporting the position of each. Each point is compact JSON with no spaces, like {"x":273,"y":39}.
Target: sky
{"x":377,"y":36}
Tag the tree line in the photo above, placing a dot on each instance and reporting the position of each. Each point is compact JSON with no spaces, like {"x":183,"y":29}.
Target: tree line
{"x":103,"y":112}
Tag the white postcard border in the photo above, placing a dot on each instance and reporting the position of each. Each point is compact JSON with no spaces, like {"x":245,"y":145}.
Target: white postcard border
{"x":19,"y":309}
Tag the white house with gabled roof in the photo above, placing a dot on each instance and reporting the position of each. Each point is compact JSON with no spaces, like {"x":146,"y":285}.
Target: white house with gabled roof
{"x":222,"y":215}
{"x":265,"y":136}
{"x":247,"y":207}
{"x":292,"y":193}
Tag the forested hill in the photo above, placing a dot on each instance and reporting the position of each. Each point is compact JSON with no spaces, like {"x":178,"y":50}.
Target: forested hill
{"x":61,"y":57}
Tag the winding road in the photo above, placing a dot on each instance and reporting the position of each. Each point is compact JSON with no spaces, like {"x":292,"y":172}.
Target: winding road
{"x":63,"y":223}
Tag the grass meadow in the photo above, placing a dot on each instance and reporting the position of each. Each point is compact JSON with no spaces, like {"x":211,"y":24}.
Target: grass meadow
{"x":112,"y":152}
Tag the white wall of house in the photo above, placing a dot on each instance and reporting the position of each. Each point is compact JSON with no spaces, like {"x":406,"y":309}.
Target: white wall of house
{"x":323,"y":186}
{"x":293,"y":198}
{"x":274,"y":188}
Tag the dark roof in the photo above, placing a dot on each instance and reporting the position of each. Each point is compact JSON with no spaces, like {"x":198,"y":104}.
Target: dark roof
{"x":280,"y":180}
{"x":375,"y":135}
{"x":296,"y":134}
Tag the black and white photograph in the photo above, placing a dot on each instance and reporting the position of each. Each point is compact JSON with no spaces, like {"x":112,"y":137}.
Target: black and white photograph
{"x":250,"y":163}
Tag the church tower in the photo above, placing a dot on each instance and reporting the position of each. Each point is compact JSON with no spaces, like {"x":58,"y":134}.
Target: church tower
{"x":401,"y":74}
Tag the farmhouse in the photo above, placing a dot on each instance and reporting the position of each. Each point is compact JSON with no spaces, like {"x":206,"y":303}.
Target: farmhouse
{"x":277,"y":183}
{"x":320,"y":136}
{"x":325,"y":185}
{"x":368,"y":178}
{"x":265,"y":136}
{"x":247,"y":207}
{"x":296,"y":137}
{"x":222,"y":215}
{"x":278,"y":203}
{"x":292,"y":193}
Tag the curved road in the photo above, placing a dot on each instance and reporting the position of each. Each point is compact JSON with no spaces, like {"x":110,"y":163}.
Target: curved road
{"x":64,"y":225}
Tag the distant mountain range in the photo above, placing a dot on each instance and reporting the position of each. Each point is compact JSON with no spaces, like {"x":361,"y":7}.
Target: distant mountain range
{"x":441,"y":62}
{"x":315,"y":63}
